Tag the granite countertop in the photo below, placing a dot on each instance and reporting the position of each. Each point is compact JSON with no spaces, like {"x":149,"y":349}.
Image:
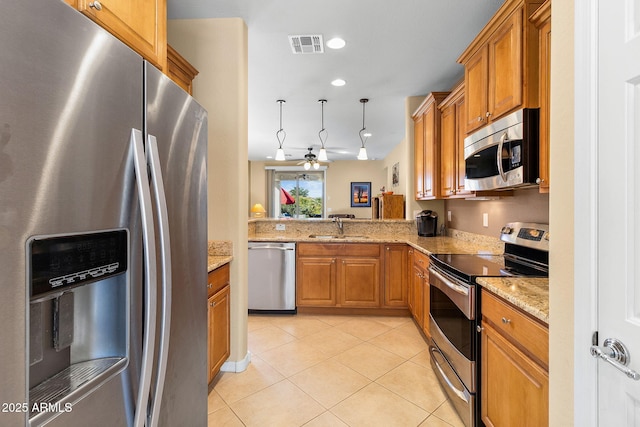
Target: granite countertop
{"x":215,"y":261}
{"x":427,"y":245}
{"x":531,"y":294}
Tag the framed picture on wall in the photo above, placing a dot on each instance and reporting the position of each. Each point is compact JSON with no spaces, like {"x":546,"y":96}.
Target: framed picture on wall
{"x":360,"y":194}
{"x":395,"y":175}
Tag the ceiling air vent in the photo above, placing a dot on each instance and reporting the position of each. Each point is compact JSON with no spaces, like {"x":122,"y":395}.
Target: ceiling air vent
{"x":307,"y":44}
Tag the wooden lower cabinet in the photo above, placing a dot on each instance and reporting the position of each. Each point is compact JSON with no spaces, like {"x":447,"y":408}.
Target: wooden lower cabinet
{"x":416,"y":296}
{"x":218,"y":313}
{"x":316,"y":281}
{"x":338,"y":275}
{"x":396,"y":277}
{"x":514,"y":379}
{"x":419,"y":291}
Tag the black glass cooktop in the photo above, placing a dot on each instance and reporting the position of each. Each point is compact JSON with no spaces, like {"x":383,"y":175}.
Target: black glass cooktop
{"x":467,"y":267}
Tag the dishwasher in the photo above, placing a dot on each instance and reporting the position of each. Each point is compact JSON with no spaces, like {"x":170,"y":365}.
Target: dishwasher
{"x":272,"y":277}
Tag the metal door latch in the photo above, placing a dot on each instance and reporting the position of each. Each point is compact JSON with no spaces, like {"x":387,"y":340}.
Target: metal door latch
{"x":616,"y":354}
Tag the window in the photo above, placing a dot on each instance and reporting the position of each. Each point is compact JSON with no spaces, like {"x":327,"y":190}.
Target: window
{"x":296,"y":193}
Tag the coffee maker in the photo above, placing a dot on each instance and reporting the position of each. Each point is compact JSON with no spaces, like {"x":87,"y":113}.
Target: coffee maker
{"x":427,"y":223}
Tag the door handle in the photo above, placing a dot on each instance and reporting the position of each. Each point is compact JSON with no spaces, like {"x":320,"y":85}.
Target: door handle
{"x":150,"y":285}
{"x":616,"y":354}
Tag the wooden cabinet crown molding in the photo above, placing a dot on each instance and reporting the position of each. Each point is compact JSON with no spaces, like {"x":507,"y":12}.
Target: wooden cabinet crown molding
{"x":494,"y":23}
{"x":180,"y":70}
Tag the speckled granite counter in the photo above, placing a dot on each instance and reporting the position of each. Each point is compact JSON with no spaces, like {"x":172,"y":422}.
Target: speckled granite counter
{"x":220,"y":252}
{"x":531,"y":294}
{"x":215,"y":261}
{"x":427,"y":245}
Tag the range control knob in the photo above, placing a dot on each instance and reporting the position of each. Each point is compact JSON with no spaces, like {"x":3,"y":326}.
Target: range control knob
{"x":506,"y":230}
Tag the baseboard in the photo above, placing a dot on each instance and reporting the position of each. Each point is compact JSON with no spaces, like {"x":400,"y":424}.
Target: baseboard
{"x":238,"y":366}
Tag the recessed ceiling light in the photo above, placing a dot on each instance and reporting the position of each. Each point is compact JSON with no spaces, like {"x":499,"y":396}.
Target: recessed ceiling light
{"x":338,"y":82}
{"x":336,"y":43}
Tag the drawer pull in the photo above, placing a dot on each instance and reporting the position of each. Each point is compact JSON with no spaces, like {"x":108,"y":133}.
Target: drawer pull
{"x":506,"y":321}
{"x":95,"y":5}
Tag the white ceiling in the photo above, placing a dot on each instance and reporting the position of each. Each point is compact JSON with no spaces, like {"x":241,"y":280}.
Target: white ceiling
{"x":395,"y":49}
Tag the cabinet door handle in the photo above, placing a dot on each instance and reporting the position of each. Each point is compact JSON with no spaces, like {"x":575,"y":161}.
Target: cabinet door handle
{"x":95,"y":5}
{"x":212,"y":303}
{"x":479,"y":118}
{"x":487,"y":114}
{"x":210,"y":285}
{"x":539,"y":181}
{"x":506,"y":321}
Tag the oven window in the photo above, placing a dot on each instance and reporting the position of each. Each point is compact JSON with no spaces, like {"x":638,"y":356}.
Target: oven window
{"x":459,"y":330}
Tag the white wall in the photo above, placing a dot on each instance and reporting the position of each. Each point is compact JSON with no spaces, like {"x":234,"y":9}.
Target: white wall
{"x":218,"y":49}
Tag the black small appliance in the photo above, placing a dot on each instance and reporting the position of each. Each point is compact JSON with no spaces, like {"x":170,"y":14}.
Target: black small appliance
{"x":427,"y":223}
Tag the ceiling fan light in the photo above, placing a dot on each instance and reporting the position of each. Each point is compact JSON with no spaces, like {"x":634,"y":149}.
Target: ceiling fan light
{"x":280,"y":155}
{"x":322,"y":155}
{"x":307,"y":166}
{"x":362,"y":154}
{"x":316,"y":165}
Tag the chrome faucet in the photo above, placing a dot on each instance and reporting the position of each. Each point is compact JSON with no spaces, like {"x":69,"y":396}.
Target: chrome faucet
{"x":340,"y":225}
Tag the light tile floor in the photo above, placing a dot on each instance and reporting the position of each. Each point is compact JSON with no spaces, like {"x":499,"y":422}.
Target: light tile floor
{"x":332,"y":371}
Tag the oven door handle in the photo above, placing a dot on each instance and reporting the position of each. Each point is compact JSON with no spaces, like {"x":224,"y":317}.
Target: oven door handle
{"x":460,"y":393}
{"x":462,"y":290}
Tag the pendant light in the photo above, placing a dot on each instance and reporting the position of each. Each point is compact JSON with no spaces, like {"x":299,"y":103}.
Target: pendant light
{"x":362,"y":154}
{"x":322,"y":154}
{"x":280,"y":135}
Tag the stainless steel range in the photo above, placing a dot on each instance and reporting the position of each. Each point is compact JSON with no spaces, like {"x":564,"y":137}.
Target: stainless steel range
{"x":455,"y":305}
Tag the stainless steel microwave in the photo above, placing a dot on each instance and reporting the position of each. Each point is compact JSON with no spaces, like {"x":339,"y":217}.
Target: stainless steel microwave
{"x":503,"y":154}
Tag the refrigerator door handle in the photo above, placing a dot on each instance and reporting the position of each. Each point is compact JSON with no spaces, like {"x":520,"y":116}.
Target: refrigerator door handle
{"x":150,"y":281}
{"x":153,"y":160}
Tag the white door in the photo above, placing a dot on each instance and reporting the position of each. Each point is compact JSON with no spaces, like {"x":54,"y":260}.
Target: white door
{"x":618,"y":205}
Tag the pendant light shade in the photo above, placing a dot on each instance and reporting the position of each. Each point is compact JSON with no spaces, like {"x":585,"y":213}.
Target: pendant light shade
{"x":362,"y":154}
{"x":323,"y":134}
{"x":280,"y":135}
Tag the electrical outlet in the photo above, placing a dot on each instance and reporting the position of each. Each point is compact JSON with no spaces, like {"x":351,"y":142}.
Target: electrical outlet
{"x":449,"y":216}
{"x":485,"y":219}
{"x":280,"y":227}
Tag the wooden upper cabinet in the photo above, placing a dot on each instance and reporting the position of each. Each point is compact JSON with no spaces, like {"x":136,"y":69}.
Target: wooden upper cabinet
{"x":448,"y":150}
{"x":501,"y":65}
{"x":505,"y":67}
{"x":427,"y":147}
{"x":418,"y":144}
{"x":476,"y":88}
{"x":452,"y":134}
{"x":141,"y":24}
{"x":542,"y":20}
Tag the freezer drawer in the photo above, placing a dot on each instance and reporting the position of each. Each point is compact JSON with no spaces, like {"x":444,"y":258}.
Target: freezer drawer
{"x":272,"y":277}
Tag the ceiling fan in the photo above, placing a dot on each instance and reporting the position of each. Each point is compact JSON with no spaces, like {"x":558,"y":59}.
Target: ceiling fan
{"x":310,"y":160}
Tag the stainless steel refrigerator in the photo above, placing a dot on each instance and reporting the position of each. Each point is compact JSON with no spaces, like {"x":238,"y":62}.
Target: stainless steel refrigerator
{"x":103,"y":233}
